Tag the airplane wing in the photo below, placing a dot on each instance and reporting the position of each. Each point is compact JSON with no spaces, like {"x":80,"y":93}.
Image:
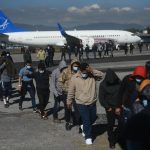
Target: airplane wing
{"x":71,"y":40}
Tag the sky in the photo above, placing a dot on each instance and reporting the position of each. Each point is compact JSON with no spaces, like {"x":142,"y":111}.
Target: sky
{"x":76,"y":12}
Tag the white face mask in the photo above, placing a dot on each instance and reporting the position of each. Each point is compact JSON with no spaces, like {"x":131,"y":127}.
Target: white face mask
{"x":145,"y":103}
{"x":138,"y":80}
{"x":75,"y":68}
{"x":28,"y":67}
{"x":84,"y":75}
{"x":41,"y":71}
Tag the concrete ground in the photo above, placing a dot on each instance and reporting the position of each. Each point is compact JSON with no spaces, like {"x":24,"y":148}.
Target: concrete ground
{"x":27,"y":131}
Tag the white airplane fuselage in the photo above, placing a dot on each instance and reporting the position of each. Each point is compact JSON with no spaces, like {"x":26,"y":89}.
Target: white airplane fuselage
{"x":44,"y":38}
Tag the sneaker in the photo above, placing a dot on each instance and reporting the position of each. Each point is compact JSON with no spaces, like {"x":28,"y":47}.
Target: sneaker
{"x":82,"y":130}
{"x":88,"y":141}
{"x":68,"y":126}
{"x":20,"y":108}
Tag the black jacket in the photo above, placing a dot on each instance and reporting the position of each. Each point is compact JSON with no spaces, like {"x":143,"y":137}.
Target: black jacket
{"x":41,"y":79}
{"x":128,"y":92}
{"x":109,"y":89}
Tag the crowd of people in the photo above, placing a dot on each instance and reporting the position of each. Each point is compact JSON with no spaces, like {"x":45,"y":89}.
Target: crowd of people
{"x":126,"y":100}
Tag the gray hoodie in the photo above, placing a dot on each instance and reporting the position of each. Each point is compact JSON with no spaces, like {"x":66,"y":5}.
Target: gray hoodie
{"x":54,"y":86}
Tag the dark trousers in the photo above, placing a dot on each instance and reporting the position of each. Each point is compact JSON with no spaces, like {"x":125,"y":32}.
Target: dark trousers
{"x":56,"y":107}
{"x":88,"y":116}
{"x":6,"y":89}
{"x":70,"y":116}
{"x":27,"y":86}
{"x":68,"y":112}
{"x":113,"y":135}
{"x":43,"y":95}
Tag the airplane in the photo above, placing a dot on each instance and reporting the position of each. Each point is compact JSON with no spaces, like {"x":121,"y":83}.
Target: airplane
{"x":61,"y":37}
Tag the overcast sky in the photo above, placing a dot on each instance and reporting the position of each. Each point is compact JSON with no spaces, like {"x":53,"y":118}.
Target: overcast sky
{"x":76,"y":12}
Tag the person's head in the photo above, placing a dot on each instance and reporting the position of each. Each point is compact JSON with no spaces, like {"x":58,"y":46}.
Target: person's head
{"x":139,"y":74}
{"x":7,"y":53}
{"x":3,"y":54}
{"x":41,"y":67}
{"x":28,"y":64}
{"x":83,"y":70}
{"x":75,"y":65}
{"x":147,"y":66}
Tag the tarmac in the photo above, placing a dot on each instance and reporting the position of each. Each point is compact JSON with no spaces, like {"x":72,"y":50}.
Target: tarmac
{"x":25,"y":130}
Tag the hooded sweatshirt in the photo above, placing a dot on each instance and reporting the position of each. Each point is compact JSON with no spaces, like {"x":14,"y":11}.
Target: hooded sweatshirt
{"x":54,"y":86}
{"x":83,"y":90}
{"x":109,"y":89}
{"x":65,"y":76}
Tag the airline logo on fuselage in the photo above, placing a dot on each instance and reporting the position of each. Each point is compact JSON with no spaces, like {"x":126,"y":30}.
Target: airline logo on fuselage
{"x":3,"y":23}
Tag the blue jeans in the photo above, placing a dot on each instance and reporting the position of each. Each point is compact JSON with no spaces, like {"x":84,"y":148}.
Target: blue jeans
{"x":88,"y":116}
{"x":28,"y":87}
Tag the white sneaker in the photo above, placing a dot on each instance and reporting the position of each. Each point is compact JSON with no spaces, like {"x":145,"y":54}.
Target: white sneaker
{"x":88,"y":141}
{"x":82,"y":130}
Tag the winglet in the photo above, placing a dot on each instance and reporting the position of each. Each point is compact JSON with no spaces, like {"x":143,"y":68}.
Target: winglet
{"x":61,"y":29}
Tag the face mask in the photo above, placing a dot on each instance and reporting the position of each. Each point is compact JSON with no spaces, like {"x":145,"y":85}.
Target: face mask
{"x":138,"y":80}
{"x":84,"y":75}
{"x":28,"y":67}
{"x":41,"y":71}
{"x":145,"y":103}
{"x":75,"y":69}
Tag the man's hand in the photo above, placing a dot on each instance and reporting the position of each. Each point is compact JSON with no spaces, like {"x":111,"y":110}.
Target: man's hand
{"x":110,"y":109}
{"x":19,"y":87}
{"x":89,"y":69}
{"x":117,"y":111}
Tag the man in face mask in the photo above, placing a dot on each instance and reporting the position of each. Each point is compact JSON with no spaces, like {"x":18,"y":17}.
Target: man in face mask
{"x":26,"y":84}
{"x":63,"y":82}
{"x":42,"y":86}
{"x":82,"y":88}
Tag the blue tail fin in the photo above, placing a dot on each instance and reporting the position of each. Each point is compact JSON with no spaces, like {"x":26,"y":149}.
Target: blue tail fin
{"x":6,"y":25}
{"x":61,"y":29}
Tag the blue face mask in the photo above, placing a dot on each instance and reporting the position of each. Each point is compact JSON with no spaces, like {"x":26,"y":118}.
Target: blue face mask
{"x":145,"y":103}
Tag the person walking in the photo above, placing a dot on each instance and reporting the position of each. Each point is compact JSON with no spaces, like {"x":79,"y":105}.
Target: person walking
{"x":131,"y":48}
{"x":27,"y":55}
{"x":41,"y":55}
{"x":63,"y":52}
{"x":108,"y":97}
{"x":56,"y":90}
{"x":64,"y":81}
{"x":6,"y":85}
{"x":26,"y":85}
{"x":128,"y":92}
{"x":42,"y":87}
{"x":82,"y":89}
{"x":87,"y":50}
